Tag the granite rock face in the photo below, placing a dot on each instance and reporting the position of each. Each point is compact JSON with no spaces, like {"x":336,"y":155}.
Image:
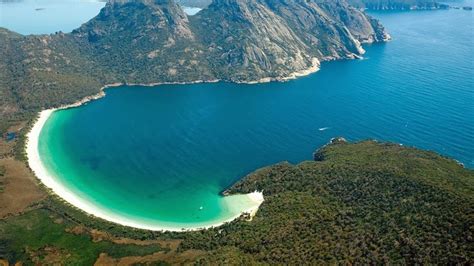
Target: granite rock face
{"x":236,"y":40}
{"x":273,"y":38}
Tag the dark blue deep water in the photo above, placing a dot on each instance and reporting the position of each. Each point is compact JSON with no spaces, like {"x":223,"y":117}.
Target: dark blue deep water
{"x":160,"y":153}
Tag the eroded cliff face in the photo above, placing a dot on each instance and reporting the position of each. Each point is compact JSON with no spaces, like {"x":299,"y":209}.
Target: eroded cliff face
{"x":236,"y":40}
{"x":249,"y":41}
{"x":152,"y":41}
{"x":135,"y":38}
{"x":146,"y":18}
{"x":277,"y":37}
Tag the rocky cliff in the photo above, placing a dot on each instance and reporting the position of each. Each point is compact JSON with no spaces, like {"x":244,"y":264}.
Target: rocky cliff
{"x":274,"y":38}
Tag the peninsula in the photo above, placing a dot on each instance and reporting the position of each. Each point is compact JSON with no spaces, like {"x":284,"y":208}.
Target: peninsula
{"x":358,"y":202}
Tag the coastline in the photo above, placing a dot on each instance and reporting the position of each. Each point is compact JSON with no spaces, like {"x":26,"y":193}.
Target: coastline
{"x":42,"y":173}
{"x":315,"y":67}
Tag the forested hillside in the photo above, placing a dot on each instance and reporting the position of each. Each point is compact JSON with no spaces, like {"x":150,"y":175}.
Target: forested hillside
{"x":363,"y":203}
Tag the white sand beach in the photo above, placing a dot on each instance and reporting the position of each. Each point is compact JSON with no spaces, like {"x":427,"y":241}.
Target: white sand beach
{"x":72,"y":198}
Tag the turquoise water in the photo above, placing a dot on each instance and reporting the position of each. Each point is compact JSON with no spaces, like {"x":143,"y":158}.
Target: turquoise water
{"x":159,"y":154}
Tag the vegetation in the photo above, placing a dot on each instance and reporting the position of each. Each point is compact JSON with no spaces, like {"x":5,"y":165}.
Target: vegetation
{"x":360,"y":203}
{"x":35,"y":237}
{"x":356,"y":203}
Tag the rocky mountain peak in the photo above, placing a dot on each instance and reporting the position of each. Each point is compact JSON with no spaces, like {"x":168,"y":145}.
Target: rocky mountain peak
{"x":139,"y":18}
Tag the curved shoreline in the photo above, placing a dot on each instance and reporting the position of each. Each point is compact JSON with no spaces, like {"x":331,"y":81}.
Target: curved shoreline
{"x":41,"y":172}
{"x":72,"y":198}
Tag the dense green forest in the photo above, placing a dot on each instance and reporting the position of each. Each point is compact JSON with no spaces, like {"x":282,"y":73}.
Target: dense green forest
{"x":362,"y":203}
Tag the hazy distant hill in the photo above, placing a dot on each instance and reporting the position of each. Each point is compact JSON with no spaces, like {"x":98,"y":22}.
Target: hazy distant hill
{"x":397,"y":4}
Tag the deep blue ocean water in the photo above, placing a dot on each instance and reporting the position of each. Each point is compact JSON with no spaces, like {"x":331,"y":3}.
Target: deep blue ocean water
{"x":159,"y":153}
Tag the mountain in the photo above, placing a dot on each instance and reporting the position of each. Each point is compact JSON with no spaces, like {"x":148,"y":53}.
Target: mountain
{"x":153,"y":41}
{"x":143,"y":41}
{"x":355,"y":203}
{"x":275,"y":38}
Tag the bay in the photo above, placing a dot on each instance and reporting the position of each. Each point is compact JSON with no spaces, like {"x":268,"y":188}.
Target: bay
{"x":159,"y":154}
